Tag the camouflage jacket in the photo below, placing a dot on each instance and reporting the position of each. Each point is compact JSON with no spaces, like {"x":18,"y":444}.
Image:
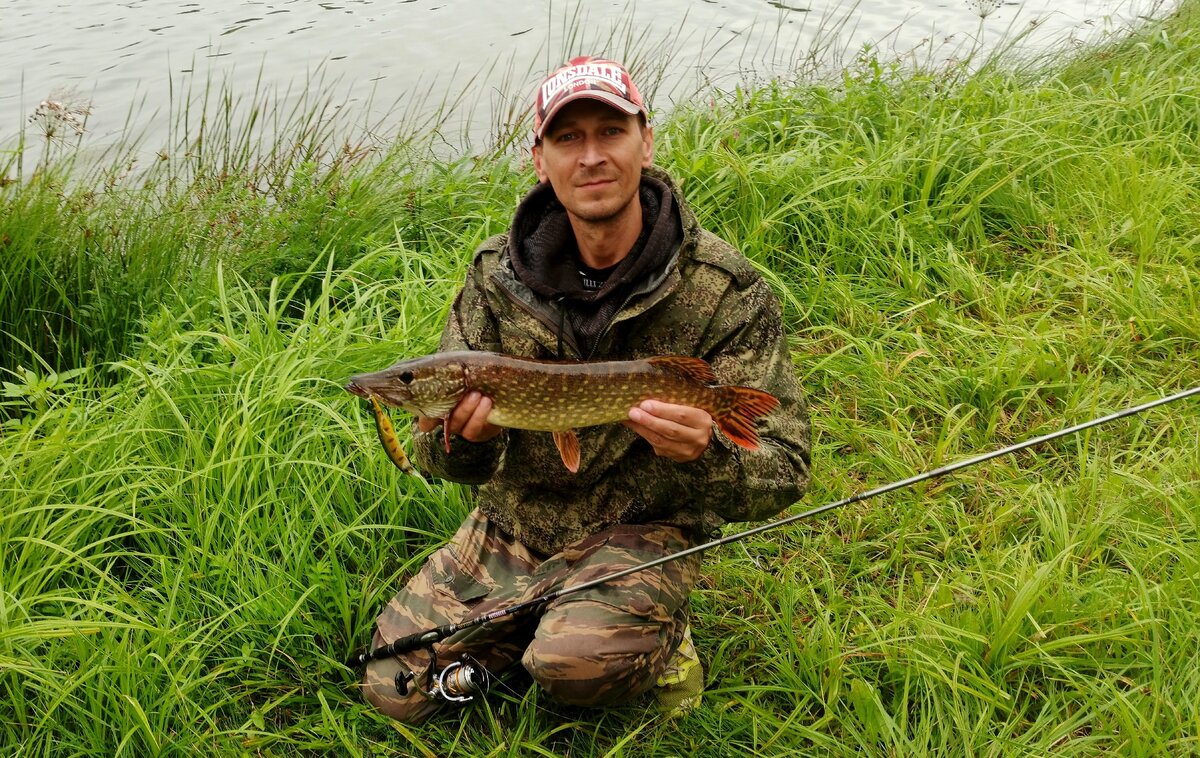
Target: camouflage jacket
{"x":708,"y":302}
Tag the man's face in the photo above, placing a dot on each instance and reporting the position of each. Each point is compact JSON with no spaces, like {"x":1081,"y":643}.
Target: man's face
{"x":593,"y":156}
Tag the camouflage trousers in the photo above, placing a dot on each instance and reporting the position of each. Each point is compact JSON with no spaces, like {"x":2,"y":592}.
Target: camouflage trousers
{"x":598,"y":646}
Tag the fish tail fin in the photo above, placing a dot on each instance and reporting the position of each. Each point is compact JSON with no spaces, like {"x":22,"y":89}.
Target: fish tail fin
{"x":738,"y":411}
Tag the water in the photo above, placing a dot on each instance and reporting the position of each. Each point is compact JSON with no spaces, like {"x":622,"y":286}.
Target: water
{"x":408,"y":58}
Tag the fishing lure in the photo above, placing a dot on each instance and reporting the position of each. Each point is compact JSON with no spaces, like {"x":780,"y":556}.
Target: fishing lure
{"x":391,"y":443}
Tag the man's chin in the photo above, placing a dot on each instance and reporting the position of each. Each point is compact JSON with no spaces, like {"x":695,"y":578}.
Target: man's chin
{"x":599,"y":213}
{"x":596,"y":218}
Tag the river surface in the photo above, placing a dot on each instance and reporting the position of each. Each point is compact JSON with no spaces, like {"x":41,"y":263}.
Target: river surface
{"x":474,"y":61}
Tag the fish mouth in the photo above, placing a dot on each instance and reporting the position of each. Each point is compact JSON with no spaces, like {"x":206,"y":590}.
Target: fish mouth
{"x":355,"y":388}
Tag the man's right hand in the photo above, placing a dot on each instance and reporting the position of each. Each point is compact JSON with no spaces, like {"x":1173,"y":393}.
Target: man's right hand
{"x":468,"y":419}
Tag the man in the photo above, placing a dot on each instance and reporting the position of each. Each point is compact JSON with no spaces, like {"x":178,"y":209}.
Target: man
{"x":603,"y":261}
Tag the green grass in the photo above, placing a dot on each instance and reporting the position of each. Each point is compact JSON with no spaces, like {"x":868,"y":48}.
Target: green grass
{"x":197,"y":525}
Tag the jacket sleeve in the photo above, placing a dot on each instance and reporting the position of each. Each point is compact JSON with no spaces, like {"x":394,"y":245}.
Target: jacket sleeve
{"x":470,"y":325}
{"x":745,"y":345}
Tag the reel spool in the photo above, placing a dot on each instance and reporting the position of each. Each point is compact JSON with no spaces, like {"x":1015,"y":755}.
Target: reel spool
{"x":459,"y":682}
{"x":462,"y":681}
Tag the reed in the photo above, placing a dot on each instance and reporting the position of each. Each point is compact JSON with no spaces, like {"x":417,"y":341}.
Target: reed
{"x":197,"y":525}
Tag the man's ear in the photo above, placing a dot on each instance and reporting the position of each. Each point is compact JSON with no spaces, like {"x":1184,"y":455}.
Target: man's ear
{"x":647,"y":147}
{"x":537,"y":161}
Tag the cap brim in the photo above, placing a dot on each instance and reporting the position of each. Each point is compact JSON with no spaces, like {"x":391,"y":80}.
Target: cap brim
{"x":608,"y":98}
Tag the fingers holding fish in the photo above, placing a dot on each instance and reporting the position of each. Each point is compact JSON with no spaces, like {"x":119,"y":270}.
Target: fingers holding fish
{"x":678,"y":432}
{"x":469,"y":418}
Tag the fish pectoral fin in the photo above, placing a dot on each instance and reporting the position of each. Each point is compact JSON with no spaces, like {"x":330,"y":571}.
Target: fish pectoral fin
{"x":446,"y":434}
{"x":568,"y":447}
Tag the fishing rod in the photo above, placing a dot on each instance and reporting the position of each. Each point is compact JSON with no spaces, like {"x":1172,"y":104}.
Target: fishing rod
{"x":428,"y":637}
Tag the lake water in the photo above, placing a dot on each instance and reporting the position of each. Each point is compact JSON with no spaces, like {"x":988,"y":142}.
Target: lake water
{"x":473,"y":60}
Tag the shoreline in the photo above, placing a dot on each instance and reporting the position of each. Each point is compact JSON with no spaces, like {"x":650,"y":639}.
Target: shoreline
{"x":460,"y":102}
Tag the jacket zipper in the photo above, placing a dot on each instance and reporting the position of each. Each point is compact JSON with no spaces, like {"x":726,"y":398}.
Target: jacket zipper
{"x":541,"y":317}
{"x":547,"y":321}
{"x":656,"y":290}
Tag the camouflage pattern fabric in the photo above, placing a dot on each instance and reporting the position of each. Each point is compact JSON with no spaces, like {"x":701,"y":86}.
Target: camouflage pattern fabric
{"x":595,"y":647}
{"x":539,"y":527}
{"x":709,"y":302}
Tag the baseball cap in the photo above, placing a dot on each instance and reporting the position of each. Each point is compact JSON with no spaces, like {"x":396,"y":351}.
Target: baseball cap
{"x":590,"y":77}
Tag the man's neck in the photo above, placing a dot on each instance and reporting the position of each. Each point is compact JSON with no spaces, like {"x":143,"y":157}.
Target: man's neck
{"x":607,"y":243}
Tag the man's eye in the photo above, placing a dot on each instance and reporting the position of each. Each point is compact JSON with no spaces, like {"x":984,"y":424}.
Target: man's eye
{"x":566,"y":137}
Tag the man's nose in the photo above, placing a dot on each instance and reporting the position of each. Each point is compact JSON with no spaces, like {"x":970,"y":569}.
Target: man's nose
{"x":591,"y":155}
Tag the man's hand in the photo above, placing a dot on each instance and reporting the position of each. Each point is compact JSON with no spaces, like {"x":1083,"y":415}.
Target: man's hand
{"x":468,"y":419}
{"x":678,"y":432}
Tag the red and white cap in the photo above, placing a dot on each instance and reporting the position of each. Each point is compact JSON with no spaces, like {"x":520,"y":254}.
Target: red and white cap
{"x":586,"y":77}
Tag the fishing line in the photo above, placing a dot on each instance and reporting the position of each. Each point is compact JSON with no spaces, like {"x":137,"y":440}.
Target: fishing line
{"x":428,"y":637}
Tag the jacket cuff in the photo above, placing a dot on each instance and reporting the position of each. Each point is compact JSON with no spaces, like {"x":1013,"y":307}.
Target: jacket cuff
{"x":721,"y":460}
{"x":467,"y":462}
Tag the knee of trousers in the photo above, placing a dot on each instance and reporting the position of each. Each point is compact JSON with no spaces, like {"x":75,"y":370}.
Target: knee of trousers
{"x":379,"y":689}
{"x":595,"y":665}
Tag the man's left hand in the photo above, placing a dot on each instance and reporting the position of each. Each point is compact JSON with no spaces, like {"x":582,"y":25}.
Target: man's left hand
{"x":678,"y":432}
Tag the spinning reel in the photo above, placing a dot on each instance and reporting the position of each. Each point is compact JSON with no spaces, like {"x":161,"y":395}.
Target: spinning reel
{"x":459,"y":682}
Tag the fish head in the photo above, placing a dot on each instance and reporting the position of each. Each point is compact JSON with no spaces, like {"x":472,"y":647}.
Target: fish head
{"x":429,"y":386}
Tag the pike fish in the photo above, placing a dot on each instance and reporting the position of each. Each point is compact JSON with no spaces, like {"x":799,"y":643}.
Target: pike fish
{"x":561,"y":396}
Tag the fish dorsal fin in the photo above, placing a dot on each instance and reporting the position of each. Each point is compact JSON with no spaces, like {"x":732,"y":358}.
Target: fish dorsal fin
{"x":695,"y":369}
{"x":568,"y":447}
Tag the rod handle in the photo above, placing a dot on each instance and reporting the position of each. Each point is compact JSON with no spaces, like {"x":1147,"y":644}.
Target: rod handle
{"x":402,"y":645}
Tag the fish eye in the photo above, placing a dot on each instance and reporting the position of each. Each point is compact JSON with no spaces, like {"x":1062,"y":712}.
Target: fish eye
{"x":406,"y":377}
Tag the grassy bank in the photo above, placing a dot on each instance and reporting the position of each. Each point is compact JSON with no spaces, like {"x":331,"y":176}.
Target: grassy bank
{"x":197,"y":525}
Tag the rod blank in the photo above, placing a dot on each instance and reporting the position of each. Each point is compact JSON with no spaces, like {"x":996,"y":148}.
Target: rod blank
{"x":423,"y":639}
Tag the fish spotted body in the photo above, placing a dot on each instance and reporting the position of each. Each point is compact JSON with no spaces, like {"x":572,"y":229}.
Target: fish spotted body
{"x":559,"y":397}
